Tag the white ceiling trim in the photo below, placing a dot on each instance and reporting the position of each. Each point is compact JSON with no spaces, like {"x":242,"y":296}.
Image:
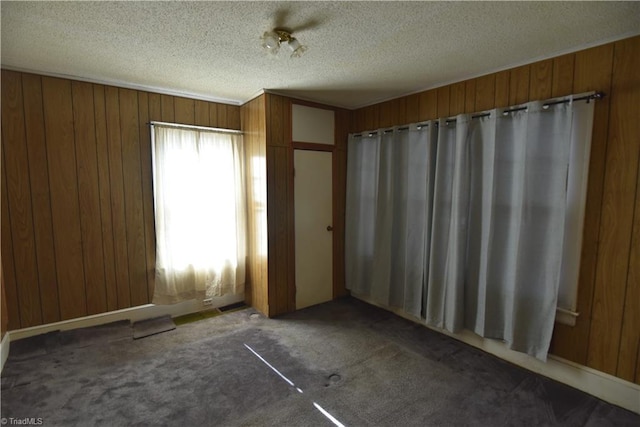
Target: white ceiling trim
{"x":127,"y":85}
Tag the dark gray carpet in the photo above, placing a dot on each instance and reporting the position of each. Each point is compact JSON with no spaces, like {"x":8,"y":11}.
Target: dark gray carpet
{"x":148,"y":327}
{"x":362,"y":365}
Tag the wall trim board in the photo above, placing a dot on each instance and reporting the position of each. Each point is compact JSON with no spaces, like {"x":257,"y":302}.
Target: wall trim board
{"x":4,"y":349}
{"x":127,"y":85}
{"x":599,"y":384}
{"x":133,"y":314}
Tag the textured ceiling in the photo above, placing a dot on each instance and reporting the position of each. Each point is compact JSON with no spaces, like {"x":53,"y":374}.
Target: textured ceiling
{"x":359,"y":52}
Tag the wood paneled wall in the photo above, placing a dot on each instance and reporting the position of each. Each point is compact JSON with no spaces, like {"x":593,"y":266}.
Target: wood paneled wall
{"x":607,"y":334}
{"x":253,"y":123}
{"x":77,"y":204}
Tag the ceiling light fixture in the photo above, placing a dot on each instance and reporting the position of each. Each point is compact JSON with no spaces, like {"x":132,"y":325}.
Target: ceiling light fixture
{"x":271,"y":41}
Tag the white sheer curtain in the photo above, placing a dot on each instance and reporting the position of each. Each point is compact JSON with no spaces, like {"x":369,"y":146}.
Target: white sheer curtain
{"x":389,"y":188}
{"x":498,"y":208}
{"x":199,"y":196}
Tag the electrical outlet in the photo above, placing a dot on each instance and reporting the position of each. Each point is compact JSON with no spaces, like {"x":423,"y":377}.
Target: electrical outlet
{"x":207,"y":301}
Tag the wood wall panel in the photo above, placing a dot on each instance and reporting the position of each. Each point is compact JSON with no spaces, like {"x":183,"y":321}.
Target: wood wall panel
{"x":185,"y":112}
{"x":606,"y":335}
{"x":63,"y":181}
{"x":201,"y":112}
{"x":102,"y":153}
{"x":616,"y":224}
{"x":8,"y":266}
{"x":541,"y":80}
{"x":592,"y":71}
{"x":89,"y":196}
{"x":133,"y":202}
{"x":167,"y":108}
{"x":443,"y":101}
{"x":78,"y":233}
{"x":485,"y":92}
{"x":412,"y":109}
{"x":40,"y":198}
{"x":470,"y":96}
{"x":519,"y":85}
{"x":429,"y":105}
{"x":562,"y":82}
{"x":503,"y":84}
{"x":457,"y":101}
{"x":630,"y":335}
{"x":253,"y":116}
{"x":147,"y":188}
{"x":118,"y":215}
{"x":19,"y":196}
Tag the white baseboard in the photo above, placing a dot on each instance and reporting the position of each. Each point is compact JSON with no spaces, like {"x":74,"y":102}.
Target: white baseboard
{"x":133,"y":314}
{"x":4,"y":349}
{"x":599,"y":384}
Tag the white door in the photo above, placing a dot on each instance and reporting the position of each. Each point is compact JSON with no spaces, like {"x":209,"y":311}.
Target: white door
{"x":313,"y":227}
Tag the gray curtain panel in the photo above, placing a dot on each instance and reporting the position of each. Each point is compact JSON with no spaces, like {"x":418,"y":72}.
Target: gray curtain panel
{"x":475,"y":223}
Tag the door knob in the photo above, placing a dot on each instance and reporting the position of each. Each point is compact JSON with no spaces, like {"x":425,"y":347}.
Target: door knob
{"x":329,"y":228}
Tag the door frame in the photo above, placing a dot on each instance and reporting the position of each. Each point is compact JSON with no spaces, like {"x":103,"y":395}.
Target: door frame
{"x":338,"y":165}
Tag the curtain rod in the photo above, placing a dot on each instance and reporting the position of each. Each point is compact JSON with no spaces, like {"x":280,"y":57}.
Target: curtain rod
{"x":178,"y":125}
{"x":596,"y":95}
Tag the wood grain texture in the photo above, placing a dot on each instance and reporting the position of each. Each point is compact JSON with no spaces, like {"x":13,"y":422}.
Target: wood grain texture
{"x":201,"y":110}
{"x":185,"y":112}
{"x":429,"y":105}
{"x":167,"y":108}
{"x":8,"y":266}
{"x":233,"y":117}
{"x":372,"y":118}
{"x":221,"y":118}
{"x":443,"y":101}
{"x":254,"y":128}
{"x":630,"y":335}
{"x":89,"y":196}
{"x":102,"y":153}
{"x":213,"y":115}
{"x":339,"y":192}
{"x":63,"y":181}
{"x":457,"y":103}
{"x":485,"y":92}
{"x":470,"y":96}
{"x":592,"y":72}
{"x":617,"y":208}
{"x":519,"y":85}
{"x":279,"y":242}
{"x":562,"y":83}
{"x":19,"y":198}
{"x":147,"y":189}
{"x":387,"y":115}
{"x":155,"y":107}
{"x":118,"y":214}
{"x":412,"y":108}
{"x":40,"y":197}
{"x":133,"y":202}
{"x":541,"y":80}
{"x":503,"y":85}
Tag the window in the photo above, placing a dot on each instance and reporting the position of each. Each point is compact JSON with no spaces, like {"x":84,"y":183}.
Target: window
{"x":199,"y":200}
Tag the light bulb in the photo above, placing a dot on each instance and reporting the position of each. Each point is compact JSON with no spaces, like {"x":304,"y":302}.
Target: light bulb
{"x":271,"y":42}
{"x":297,"y":49}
